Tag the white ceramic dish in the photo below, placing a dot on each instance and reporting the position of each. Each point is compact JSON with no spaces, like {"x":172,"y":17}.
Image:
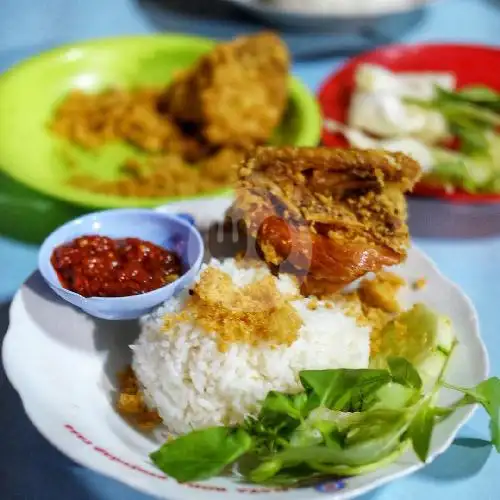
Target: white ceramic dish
{"x":63,"y":364}
{"x":299,"y":13}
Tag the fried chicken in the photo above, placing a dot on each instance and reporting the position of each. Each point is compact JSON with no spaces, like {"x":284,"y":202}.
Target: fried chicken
{"x":329,"y":215}
{"x":236,"y":94}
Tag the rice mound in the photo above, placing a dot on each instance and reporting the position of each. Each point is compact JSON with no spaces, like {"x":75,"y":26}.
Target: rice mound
{"x":192,"y":384}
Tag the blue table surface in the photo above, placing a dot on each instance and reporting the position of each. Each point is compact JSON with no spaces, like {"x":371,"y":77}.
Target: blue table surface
{"x":29,"y":467}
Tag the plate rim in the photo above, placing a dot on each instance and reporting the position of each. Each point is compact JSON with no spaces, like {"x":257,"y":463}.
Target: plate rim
{"x":84,"y":460}
{"x":262,"y":9}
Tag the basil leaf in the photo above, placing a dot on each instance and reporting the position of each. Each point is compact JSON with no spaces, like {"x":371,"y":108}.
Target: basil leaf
{"x":421,"y":431}
{"x":301,"y":475}
{"x":362,"y":454}
{"x":201,"y":454}
{"x":487,"y":394}
{"x":265,"y":471}
{"x":306,"y":435}
{"x":326,"y":420}
{"x":372,"y":436}
{"x":344,"y":389}
{"x":300,"y":401}
{"x":376,"y":423}
{"x":349,"y":470}
{"x":404,"y":373}
{"x":279,"y":402}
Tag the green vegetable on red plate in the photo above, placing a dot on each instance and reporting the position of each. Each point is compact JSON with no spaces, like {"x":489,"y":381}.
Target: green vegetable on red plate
{"x":344,"y":422}
{"x":473,"y":116}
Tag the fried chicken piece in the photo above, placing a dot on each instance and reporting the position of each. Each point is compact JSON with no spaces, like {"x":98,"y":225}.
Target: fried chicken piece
{"x":329,"y":215}
{"x":236,"y":94}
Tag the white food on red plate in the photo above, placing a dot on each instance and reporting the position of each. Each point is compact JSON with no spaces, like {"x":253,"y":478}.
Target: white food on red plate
{"x":408,"y":145}
{"x":378,"y":103}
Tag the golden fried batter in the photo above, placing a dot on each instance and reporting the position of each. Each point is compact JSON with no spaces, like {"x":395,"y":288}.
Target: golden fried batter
{"x":131,"y":405}
{"x":251,"y":314}
{"x":331,"y":215}
{"x":166,"y":175}
{"x":237,"y":93}
{"x":419,"y":284}
{"x":380,"y":292}
{"x":92,"y":120}
{"x":373,"y":303}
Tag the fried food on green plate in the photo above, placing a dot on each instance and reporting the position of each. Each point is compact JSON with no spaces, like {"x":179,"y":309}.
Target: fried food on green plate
{"x":237,"y":93}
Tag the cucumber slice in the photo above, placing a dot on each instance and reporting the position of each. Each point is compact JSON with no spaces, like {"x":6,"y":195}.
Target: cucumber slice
{"x":431,"y":367}
{"x":394,"y":397}
{"x":419,"y":335}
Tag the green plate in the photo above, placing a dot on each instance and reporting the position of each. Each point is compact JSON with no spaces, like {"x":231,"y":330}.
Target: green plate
{"x":30,"y":91}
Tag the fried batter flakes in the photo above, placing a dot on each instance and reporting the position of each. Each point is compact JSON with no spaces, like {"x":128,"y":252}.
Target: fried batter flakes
{"x":374,"y":303}
{"x":92,"y":120}
{"x":131,"y":405}
{"x":419,"y":284}
{"x":381,"y":292}
{"x":253,"y":314}
{"x":166,"y":175}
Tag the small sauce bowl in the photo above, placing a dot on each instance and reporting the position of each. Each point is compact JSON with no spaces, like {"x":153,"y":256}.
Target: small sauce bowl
{"x":173,"y":232}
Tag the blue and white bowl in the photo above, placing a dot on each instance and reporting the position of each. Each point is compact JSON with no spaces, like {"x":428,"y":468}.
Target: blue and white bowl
{"x":173,"y":232}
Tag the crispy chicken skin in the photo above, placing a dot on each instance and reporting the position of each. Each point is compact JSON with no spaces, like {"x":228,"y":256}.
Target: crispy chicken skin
{"x":329,"y":215}
{"x":236,"y":94}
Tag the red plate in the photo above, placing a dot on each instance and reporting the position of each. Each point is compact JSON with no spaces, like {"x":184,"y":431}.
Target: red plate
{"x":471,"y":64}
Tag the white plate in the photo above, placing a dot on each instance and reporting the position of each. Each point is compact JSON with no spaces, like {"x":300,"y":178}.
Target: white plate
{"x":63,"y":364}
{"x":303,"y":13}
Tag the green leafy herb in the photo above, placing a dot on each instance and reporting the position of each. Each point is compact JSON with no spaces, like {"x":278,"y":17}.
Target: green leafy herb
{"x":487,"y":394}
{"x":345,"y":390}
{"x":473,"y":116}
{"x":283,"y":403}
{"x":421,"y":430}
{"x":202,"y":454}
{"x":344,"y":423}
{"x":266,"y":470}
{"x":458,"y":106}
{"x":480,"y":95}
{"x":403,"y":372}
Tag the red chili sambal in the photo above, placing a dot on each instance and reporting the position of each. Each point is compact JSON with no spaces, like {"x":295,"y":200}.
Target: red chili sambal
{"x":97,"y":266}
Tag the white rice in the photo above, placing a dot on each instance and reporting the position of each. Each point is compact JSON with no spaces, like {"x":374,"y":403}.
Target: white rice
{"x":194,"y":385}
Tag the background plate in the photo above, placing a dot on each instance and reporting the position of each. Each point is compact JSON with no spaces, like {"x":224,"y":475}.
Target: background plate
{"x":32,"y":155}
{"x":472,"y":64}
{"x":300,"y":14}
